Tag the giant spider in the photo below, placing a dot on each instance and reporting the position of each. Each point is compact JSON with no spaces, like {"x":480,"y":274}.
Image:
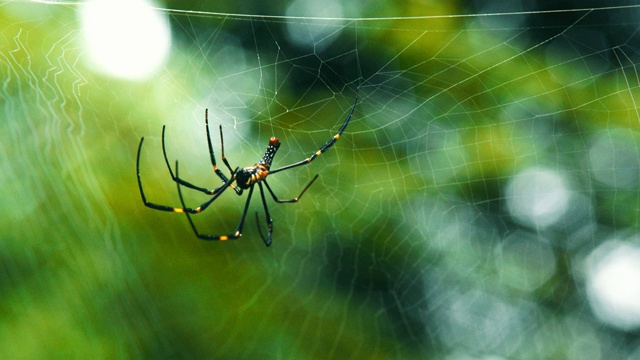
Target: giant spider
{"x":245,"y":178}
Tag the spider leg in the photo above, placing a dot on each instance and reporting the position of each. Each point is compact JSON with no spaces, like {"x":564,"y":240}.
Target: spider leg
{"x":267,"y":241}
{"x":200,"y":208}
{"x":216,"y":192}
{"x":325,"y":147}
{"x":295,"y":199}
{"x":224,"y":159}
{"x":220,"y":174}
{"x":176,"y":178}
{"x":212,"y":156}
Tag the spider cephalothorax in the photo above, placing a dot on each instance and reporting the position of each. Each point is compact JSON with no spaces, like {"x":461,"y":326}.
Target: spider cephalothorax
{"x":245,"y":179}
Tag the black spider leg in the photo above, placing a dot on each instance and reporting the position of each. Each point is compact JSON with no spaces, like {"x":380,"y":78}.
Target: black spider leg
{"x":216,"y":192}
{"x":220,"y":174}
{"x":295,"y":199}
{"x":212,"y":156}
{"x":325,"y":147}
{"x":226,"y":185}
{"x":267,"y":240}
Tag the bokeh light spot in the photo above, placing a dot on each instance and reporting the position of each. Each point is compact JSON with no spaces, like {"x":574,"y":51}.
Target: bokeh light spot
{"x":314,"y":34}
{"x":612,"y":284}
{"x":537,"y":197}
{"x":526,"y":262}
{"x":614,"y":159}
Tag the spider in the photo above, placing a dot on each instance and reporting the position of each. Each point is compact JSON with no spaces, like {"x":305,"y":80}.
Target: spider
{"x":245,"y":179}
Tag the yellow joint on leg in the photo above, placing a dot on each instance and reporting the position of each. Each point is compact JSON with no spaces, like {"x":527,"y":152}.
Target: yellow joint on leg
{"x":318,"y":153}
{"x":178,"y":210}
{"x":336,"y":136}
{"x":223,"y":238}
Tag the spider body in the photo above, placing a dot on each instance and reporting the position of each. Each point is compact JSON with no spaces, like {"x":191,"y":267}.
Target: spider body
{"x":245,"y":179}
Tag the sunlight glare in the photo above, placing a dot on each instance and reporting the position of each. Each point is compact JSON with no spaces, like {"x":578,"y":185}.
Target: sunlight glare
{"x":126,"y":39}
{"x":612,"y":284}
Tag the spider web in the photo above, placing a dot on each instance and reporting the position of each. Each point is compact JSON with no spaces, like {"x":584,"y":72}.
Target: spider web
{"x":482,"y":201}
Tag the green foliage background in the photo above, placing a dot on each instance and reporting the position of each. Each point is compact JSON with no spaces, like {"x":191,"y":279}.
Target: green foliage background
{"x":356,"y":269}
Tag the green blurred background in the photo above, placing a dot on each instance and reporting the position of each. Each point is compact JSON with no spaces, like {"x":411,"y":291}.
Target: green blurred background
{"x":420,"y":239}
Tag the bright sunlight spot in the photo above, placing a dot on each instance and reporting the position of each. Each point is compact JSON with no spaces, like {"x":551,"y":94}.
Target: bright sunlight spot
{"x":126,"y":39}
{"x":613,"y":286}
{"x":537,"y":197}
